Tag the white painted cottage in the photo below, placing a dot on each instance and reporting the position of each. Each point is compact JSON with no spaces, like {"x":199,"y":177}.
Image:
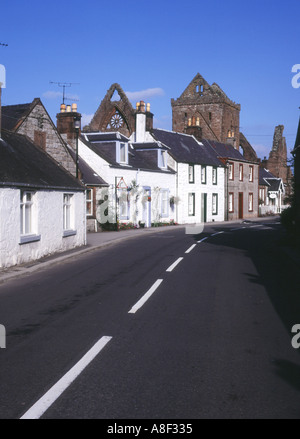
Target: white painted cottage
{"x":140,"y":181}
{"x":200,"y":178}
{"x":42,"y":206}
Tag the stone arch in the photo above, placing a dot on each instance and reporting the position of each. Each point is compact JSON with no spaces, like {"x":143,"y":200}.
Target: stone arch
{"x":247,"y":150}
{"x":110,"y":108}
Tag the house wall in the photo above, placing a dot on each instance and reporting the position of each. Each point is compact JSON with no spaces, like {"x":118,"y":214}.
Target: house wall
{"x":47,"y":215}
{"x":184,"y":188}
{"x":245,"y":187}
{"x":156,"y":181}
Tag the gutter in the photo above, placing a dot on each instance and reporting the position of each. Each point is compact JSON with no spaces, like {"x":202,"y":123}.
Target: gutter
{"x":35,"y":186}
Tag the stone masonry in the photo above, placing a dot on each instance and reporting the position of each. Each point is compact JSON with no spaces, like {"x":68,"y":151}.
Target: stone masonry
{"x":207,"y":106}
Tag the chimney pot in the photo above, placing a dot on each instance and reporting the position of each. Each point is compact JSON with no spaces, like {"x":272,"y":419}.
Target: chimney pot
{"x":74,"y":108}
{"x":68,"y":108}
{"x":63,"y":108}
{"x":142,"y":106}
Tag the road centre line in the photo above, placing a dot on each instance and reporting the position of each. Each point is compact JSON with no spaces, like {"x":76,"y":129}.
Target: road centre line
{"x":191,"y":248}
{"x":171,"y":268}
{"x":42,"y":405}
{"x":218,"y":233}
{"x":203,"y":239}
{"x":145,"y":297}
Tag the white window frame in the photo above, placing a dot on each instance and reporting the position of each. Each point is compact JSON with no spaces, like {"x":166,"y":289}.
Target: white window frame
{"x":214,"y":175}
{"x":27,"y":218}
{"x":231,"y":171}
{"x":215,"y":204}
{"x":191,"y":174}
{"x":123,"y":204}
{"x":191,"y":204}
{"x":250,"y":203}
{"x":89,"y":202}
{"x":26,"y":214}
{"x":164,"y":193}
{"x":230,"y":202}
{"x":241,"y":172}
{"x":122,"y":153}
{"x":162,"y":159}
{"x":68,"y":214}
{"x":203,"y":174}
{"x":251,"y":173}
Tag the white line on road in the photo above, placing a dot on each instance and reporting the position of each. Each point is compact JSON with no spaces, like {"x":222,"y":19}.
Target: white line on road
{"x":237,"y":228}
{"x":146,"y":296}
{"x":171,"y":268}
{"x":203,"y":239}
{"x":40,"y":407}
{"x":218,"y":233}
{"x":191,"y":248}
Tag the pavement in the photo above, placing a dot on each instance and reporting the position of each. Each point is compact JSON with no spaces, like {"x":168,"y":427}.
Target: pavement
{"x":104,"y":239}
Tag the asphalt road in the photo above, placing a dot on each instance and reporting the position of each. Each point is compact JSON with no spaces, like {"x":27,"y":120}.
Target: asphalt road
{"x":175,"y":327}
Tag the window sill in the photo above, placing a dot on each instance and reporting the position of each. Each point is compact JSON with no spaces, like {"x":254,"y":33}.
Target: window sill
{"x":26,"y":239}
{"x":67,"y":233}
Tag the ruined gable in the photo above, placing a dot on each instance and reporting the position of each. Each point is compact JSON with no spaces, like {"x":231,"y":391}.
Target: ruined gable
{"x":208,"y":107}
{"x":115,"y":113}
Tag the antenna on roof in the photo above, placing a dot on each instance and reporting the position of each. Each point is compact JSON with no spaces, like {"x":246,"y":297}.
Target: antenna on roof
{"x":3,"y":44}
{"x":64,"y":85}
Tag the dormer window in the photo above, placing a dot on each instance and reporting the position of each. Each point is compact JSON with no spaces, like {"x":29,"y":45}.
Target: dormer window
{"x":162,"y":159}
{"x":122,"y":153}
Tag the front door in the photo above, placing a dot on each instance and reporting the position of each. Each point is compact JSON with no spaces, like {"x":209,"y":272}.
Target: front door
{"x":241,"y":205}
{"x":203,"y":208}
{"x":147,"y":207}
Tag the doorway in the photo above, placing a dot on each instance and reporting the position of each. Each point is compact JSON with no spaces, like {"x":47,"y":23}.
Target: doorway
{"x":241,"y":205}
{"x":203,"y":208}
{"x":147,"y":207}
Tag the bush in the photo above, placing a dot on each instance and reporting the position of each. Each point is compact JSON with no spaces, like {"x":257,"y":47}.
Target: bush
{"x":288,"y":219}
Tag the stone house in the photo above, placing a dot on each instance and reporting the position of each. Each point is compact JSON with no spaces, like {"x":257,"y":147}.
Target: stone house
{"x":42,"y":206}
{"x":32,"y":120}
{"x":241,"y":181}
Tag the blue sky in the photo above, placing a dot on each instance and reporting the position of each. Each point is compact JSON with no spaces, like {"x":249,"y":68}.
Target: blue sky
{"x":247,"y":48}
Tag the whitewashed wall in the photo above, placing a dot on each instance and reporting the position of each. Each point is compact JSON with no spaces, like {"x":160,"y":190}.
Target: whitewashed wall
{"x":184,"y":188}
{"x":47,"y":222}
{"x":155,"y":180}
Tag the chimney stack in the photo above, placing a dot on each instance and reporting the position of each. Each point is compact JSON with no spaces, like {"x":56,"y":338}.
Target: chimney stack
{"x":66,"y":123}
{"x":144,"y":121}
{"x":140,"y":129}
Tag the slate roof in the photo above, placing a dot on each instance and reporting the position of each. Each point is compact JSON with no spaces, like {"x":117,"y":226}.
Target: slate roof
{"x":88,"y":175}
{"x":275,"y":184}
{"x":149,"y":145}
{"x":22,"y":164}
{"x":186,"y":149}
{"x":266,"y":178}
{"x":13,"y":115}
{"x":105,"y":137}
{"x":263,"y":175}
{"x":136,"y":159}
{"x":225,"y":150}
